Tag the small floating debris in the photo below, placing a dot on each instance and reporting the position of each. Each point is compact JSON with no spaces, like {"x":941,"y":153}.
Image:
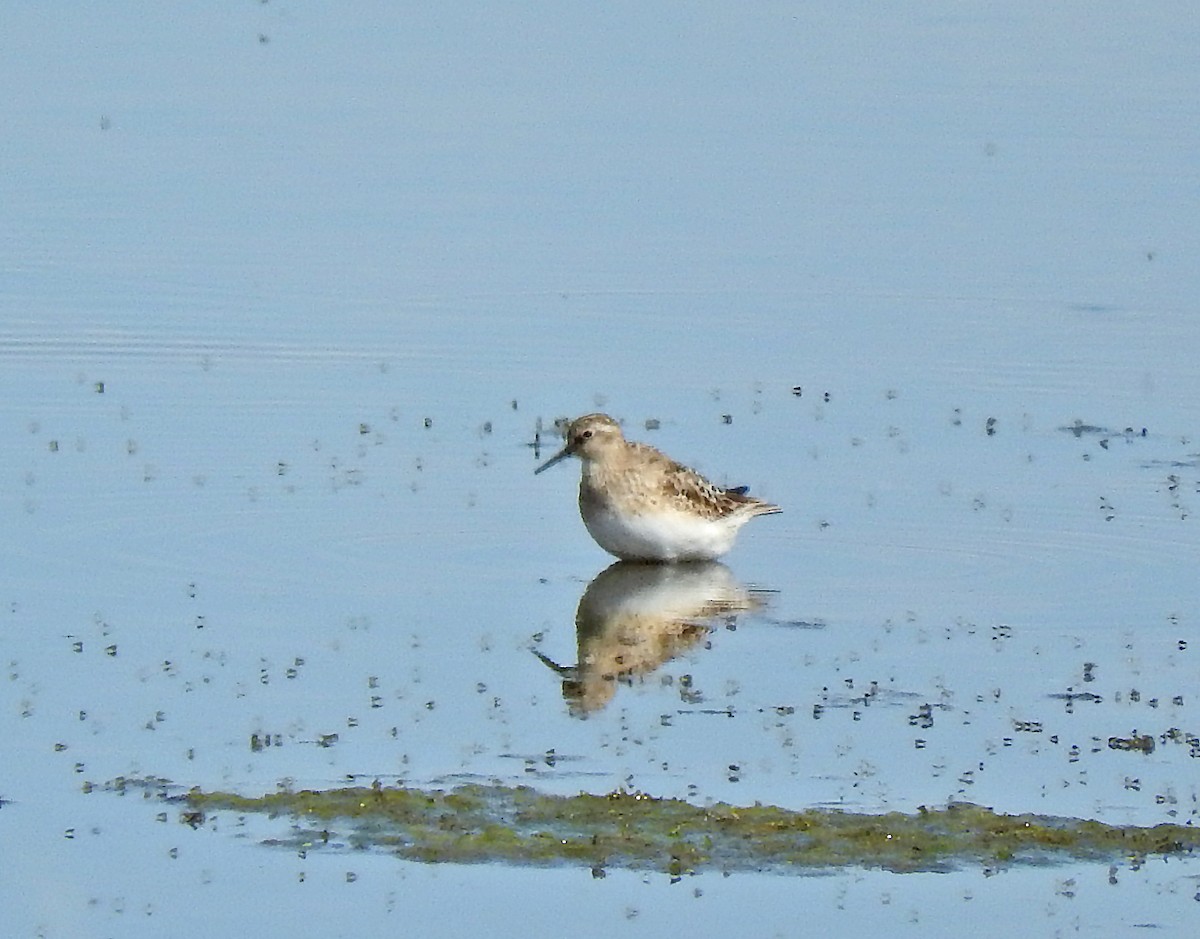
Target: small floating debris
{"x":1140,"y":743}
{"x":1087,"y":697}
{"x":798,"y":391}
{"x":1079,"y":428}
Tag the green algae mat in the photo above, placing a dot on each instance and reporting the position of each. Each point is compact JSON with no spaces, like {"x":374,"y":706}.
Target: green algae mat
{"x":632,"y":830}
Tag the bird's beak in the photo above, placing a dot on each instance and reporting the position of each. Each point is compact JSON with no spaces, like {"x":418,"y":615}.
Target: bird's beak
{"x":565,"y":672}
{"x":558,"y":457}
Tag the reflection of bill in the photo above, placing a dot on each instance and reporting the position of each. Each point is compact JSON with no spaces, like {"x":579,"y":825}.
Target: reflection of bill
{"x":635,"y":617}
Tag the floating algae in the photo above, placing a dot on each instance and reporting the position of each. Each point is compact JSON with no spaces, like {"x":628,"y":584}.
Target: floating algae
{"x":517,"y":825}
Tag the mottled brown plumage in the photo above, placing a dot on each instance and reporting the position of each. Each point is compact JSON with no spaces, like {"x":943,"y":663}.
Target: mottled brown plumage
{"x":639,"y":504}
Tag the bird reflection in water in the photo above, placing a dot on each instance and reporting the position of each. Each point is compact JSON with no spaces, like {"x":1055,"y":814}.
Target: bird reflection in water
{"x":633,"y":618}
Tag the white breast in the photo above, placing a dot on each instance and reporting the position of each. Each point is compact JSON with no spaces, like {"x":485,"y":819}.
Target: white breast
{"x":660,"y":536}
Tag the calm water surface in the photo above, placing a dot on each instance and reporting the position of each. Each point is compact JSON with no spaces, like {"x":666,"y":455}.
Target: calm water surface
{"x":286,"y":295}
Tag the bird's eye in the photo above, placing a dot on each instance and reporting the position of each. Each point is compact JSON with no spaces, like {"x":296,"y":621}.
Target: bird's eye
{"x":585,"y":435}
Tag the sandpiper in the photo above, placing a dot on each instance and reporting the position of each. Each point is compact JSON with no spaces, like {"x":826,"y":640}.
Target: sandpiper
{"x":640,"y":505}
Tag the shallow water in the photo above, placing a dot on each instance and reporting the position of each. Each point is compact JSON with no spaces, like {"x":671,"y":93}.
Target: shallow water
{"x":285,"y":295}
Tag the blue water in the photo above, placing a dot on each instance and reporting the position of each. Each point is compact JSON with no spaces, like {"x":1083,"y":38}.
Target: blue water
{"x":285,"y":292}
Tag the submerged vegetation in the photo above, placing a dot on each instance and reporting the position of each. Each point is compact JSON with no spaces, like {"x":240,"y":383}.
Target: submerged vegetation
{"x":517,"y":825}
